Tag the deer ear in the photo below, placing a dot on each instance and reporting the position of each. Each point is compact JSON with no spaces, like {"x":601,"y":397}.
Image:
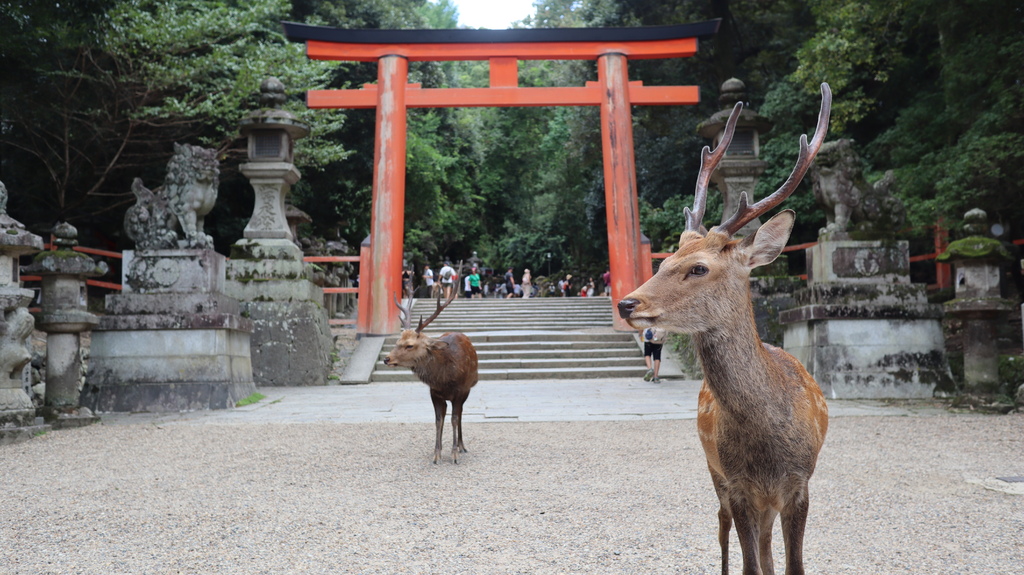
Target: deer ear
{"x":438,"y":344}
{"x":764,"y":245}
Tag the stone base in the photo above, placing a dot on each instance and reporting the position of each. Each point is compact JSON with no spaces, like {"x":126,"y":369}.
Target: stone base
{"x":167,"y":369}
{"x":67,"y":418}
{"x":10,"y":435}
{"x":291,"y":343}
{"x":162,"y":397}
{"x":16,"y":409}
{"x":860,"y":358}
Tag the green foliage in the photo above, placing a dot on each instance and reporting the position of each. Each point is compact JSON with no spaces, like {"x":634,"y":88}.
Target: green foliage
{"x":94,"y":94}
{"x":254,"y":398}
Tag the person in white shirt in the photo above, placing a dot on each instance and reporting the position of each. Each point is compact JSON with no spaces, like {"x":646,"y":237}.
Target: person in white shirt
{"x":447,"y":275}
{"x":428,"y":279}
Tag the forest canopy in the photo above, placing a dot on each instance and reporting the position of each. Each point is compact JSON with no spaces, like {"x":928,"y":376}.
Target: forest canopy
{"x":95,"y":93}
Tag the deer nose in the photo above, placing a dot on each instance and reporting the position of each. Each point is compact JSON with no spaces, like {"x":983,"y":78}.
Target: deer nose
{"x":387,"y":360}
{"x":626,"y":307}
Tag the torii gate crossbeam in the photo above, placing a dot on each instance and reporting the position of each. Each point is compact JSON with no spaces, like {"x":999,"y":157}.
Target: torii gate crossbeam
{"x":393,"y":95}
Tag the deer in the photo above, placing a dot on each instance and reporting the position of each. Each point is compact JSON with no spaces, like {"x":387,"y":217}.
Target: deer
{"x":761,"y":416}
{"x":447,"y":364}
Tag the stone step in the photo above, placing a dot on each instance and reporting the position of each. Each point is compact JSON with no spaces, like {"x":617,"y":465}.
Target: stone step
{"x":548,"y":363}
{"x":545,"y":338}
{"x":572,"y":353}
{"x":531,"y":336}
{"x":402,"y":374}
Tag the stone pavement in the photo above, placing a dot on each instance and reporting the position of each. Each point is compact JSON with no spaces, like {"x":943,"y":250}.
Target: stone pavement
{"x":523,"y":401}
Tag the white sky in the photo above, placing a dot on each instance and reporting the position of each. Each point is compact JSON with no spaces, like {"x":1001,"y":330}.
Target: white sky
{"x":493,"y":14}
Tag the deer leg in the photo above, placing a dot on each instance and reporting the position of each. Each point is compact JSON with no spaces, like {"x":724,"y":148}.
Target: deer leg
{"x":794,"y":520}
{"x":724,"y":525}
{"x":745,"y":516}
{"x":724,"y":520}
{"x":767,"y":520}
{"x":457,"y":445}
{"x":456,"y":428}
{"x":440,"y":407}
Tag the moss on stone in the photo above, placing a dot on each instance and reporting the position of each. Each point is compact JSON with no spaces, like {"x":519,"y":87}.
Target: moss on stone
{"x":975,"y":248}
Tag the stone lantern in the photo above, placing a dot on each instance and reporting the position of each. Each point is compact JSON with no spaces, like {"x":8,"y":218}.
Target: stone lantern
{"x":271,"y":133}
{"x":17,"y":414}
{"x":291,"y":340}
{"x":978,"y":261}
{"x":64,"y":318}
{"x":741,"y":167}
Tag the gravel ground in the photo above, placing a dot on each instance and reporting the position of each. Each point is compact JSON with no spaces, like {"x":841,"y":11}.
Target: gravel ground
{"x":891,"y":495}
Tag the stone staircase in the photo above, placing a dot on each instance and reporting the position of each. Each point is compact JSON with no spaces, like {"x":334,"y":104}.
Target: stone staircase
{"x":537,"y":338}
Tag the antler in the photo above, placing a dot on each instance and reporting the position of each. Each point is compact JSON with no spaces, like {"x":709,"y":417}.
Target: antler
{"x":404,"y":311}
{"x":708,"y":162}
{"x":747,"y":213}
{"x":437,"y":312}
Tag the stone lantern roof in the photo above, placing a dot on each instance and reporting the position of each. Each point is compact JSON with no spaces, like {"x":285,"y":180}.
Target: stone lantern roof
{"x":733,"y":90}
{"x":270,"y":116}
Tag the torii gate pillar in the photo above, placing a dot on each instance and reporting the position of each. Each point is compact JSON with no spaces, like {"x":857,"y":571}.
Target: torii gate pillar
{"x":619,"y":180}
{"x":387,"y":218}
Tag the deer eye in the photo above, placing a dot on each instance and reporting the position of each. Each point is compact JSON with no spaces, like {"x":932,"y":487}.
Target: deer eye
{"x":698,"y":270}
{"x":409,"y":346}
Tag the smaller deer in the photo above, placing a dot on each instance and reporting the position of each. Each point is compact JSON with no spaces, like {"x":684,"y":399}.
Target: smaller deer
{"x":761,"y":417}
{"x":448,"y":366}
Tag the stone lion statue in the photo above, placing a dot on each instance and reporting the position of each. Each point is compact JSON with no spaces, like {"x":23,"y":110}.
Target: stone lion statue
{"x":849,"y":201}
{"x":150,"y":223}
{"x":191,"y":190}
{"x":188,"y":194}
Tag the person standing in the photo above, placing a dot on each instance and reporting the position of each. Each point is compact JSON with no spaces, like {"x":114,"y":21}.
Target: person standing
{"x":447,"y":279}
{"x":428,"y":279}
{"x":510,"y":283}
{"x":606,"y":277}
{"x":474,"y":284}
{"x":527,"y":283}
{"x":567,"y":286}
{"x":407,"y":282}
{"x":467,"y":287}
{"x":654,"y":340}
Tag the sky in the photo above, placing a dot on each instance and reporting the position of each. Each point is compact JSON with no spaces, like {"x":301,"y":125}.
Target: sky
{"x":494,"y":14}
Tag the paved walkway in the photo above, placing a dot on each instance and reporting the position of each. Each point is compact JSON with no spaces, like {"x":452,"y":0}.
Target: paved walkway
{"x":526,"y":401}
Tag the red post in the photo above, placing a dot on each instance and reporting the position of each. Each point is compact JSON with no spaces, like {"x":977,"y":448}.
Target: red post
{"x":364,"y":312}
{"x":387,"y":220}
{"x":619,"y":180}
{"x":943,"y":272}
{"x":646,"y":259}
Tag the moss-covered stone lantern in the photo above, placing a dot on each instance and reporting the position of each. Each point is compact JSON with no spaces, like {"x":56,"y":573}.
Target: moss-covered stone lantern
{"x":978,"y":260}
{"x":64,"y":317}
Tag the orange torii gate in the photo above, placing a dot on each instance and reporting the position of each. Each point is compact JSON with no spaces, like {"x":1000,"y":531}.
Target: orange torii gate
{"x":392,"y":95}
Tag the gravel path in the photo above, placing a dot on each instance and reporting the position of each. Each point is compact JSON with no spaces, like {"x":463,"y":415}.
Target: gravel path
{"x":891,"y":495}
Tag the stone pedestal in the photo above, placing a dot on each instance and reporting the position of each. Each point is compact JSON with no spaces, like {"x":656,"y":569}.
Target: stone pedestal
{"x":63,"y":316}
{"x":861,"y":328}
{"x":291,"y":340}
{"x":173,"y":340}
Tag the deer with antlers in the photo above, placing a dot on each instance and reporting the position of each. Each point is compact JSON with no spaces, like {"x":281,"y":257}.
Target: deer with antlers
{"x":447,"y":364}
{"x":761,"y":417}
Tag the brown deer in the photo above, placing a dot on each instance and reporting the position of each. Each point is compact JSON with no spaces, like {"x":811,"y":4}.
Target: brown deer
{"x":761,"y":417}
{"x":447,"y":365}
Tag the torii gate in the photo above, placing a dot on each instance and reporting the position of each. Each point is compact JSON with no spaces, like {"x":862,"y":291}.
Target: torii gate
{"x":392,"y":95}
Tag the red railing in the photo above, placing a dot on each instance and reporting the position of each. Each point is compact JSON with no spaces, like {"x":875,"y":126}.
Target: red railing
{"x":943,"y":273}
{"x":119,"y":255}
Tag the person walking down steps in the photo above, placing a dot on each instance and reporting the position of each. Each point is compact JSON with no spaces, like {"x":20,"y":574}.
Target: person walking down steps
{"x":654,"y":339}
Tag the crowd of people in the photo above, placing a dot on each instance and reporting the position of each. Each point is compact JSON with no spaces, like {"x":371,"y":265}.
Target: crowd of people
{"x":472,"y":285}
